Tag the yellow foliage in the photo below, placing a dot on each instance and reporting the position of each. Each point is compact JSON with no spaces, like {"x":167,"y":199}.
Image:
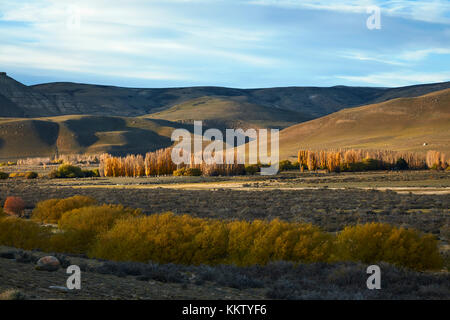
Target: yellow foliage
{"x":25,"y":234}
{"x":374,"y":242}
{"x":188,"y":240}
{"x":50,"y":211}
{"x":95,"y":219}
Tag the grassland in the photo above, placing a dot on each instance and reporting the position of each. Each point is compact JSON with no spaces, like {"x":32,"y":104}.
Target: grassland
{"x":330,"y":201}
{"x":403,"y":124}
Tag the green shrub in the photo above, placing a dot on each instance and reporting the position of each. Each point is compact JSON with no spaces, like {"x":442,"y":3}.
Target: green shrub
{"x":31,"y":175}
{"x":193,"y":172}
{"x":50,"y":211}
{"x":401,"y":164}
{"x":91,"y":173}
{"x":3,"y":175}
{"x":288,"y":165}
{"x":252,"y":169}
{"x":187,"y":172}
{"x":67,"y":171}
{"x":364,"y":165}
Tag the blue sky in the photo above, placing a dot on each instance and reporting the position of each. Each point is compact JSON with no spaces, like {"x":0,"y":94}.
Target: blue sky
{"x":233,"y":43}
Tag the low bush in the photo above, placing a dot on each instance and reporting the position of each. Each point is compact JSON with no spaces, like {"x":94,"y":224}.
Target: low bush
{"x":14,"y":206}
{"x":24,"y":234}
{"x":188,"y":240}
{"x":187,"y":172}
{"x":364,"y":165}
{"x":91,"y":173}
{"x":4,"y":175}
{"x":31,"y":175}
{"x":252,"y":169}
{"x":12,"y":294}
{"x":95,"y":219}
{"x":288,"y":165}
{"x":67,"y":171}
{"x":374,"y":242}
{"x":179,"y":172}
{"x":50,"y":211}
{"x":401,"y":164}
{"x":80,"y":227}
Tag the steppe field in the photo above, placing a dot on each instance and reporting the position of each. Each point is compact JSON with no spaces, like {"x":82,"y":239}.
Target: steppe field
{"x":413,"y":199}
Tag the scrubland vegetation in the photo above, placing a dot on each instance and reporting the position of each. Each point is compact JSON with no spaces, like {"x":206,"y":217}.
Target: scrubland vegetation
{"x":118,"y":233}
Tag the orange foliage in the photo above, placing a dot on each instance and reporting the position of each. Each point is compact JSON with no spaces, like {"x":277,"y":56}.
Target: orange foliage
{"x":14,"y":206}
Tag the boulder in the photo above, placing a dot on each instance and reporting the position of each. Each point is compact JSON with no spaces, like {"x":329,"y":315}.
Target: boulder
{"x":48,"y":263}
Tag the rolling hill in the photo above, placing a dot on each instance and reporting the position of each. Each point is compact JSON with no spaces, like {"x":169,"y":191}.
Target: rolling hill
{"x":398,"y":124}
{"x":45,"y":137}
{"x":46,"y":119}
{"x":219,"y":112}
{"x":65,"y":98}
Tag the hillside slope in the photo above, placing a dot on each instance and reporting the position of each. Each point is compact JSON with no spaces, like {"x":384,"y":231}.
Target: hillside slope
{"x":222,"y":113}
{"x":44,"y":137}
{"x":65,"y":98}
{"x":312,"y":101}
{"x":399,"y":124}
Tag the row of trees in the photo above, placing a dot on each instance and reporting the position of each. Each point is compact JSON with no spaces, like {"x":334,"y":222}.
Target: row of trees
{"x":357,"y":160}
{"x":64,"y":158}
{"x":160,"y":163}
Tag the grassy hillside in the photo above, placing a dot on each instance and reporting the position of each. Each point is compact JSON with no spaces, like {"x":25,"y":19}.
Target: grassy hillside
{"x":41,"y":137}
{"x":223,"y":113}
{"x":77,"y":98}
{"x":399,"y":124}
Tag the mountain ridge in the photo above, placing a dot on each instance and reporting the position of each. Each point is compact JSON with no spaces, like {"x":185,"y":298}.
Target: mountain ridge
{"x":65,"y":98}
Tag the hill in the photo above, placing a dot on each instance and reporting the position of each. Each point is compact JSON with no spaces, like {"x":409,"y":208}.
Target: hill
{"x":41,"y":137}
{"x":223,"y":113}
{"x":65,"y":98}
{"x":398,"y":124}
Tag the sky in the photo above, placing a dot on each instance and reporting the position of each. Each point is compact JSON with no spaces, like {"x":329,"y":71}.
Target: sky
{"x":232,"y":43}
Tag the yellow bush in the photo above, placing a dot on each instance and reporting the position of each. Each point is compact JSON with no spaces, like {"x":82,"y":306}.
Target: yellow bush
{"x":24,"y":234}
{"x":163,"y":238}
{"x":50,"y":211}
{"x":95,"y":219}
{"x":71,"y":241}
{"x":188,"y":240}
{"x":80,"y":227}
{"x":375,"y":242}
{"x":259,"y":242}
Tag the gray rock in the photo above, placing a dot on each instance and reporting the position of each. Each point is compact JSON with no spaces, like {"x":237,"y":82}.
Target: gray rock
{"x":48,"y":263}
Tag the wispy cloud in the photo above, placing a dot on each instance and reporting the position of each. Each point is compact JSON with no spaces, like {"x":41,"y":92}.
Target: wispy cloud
{"x":393,"y":57}
{"x":245,"y":43}
{"x":435,"y":11}
{"x":395,"y":79}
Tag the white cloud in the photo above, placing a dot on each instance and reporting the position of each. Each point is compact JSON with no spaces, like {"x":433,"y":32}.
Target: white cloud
{"x":396,"y":79}
{"x":403,"y":58}
{"x":364,"y":56}
{"x":434,"y":11}
{"x":138,"y":35}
